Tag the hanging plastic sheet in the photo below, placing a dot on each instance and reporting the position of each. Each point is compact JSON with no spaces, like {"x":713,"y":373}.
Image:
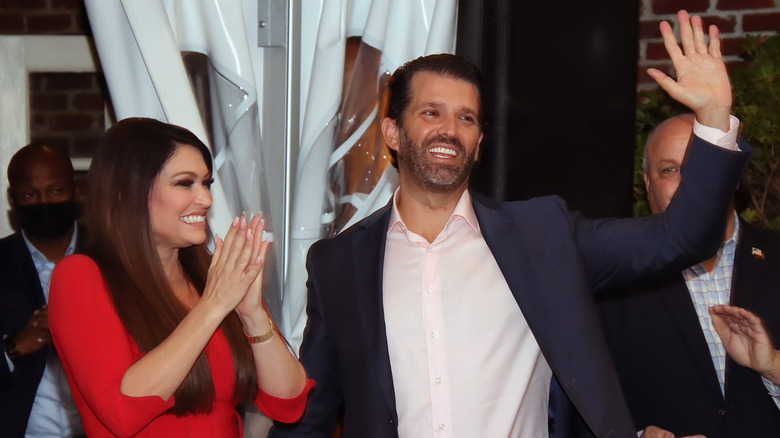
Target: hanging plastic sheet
{"x":359,"y":44}
{"x":189,"y":63}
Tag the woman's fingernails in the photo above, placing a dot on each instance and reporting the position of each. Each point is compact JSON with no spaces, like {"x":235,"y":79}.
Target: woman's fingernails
{"x":235,"y":222}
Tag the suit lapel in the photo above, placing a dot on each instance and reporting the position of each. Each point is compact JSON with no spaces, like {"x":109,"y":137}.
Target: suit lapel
{"x":368,"y":250}
{"x":26,"y":273}
{"x":679,"y":304}
{"x":505,"y":239}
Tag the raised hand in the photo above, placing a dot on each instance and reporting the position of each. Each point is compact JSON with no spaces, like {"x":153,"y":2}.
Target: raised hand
{"x":702,"y":79}
{"x":746,"y":340}
{"x":252,"y":303}
{"x":235,"y":264}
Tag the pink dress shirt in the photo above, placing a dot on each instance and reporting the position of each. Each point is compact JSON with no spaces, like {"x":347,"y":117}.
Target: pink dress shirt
{"x":464,"y":362}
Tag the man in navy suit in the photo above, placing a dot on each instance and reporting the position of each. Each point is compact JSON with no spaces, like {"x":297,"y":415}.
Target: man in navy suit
{"x":447,"y":314}
{"x":672,"y":365}
{"x":34,"y":395}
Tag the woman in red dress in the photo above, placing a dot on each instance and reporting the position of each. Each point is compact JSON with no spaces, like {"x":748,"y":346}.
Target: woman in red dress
{"x":159,"y":338}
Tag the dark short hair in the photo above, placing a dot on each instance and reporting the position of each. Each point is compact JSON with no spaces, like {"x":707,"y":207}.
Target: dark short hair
{"x":444,"y":64}
{"x":17,"y":166}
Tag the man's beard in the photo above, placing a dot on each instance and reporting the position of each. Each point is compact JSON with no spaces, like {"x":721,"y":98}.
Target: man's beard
{"x":440,"y":178}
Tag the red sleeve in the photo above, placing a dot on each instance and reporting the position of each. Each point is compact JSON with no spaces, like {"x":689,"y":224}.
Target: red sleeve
{"x":95,"y":349}
{"x":285,"y":410}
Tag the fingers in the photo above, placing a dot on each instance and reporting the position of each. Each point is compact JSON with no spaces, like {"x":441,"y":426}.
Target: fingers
{"x":218,"y":244}
{"x":714,"y":48}
{"x":668,"y":84}
{"x":670,"y":41}
{"x":699,"y":42}
{"x":259,"y":245}
{"x":686,"y":32}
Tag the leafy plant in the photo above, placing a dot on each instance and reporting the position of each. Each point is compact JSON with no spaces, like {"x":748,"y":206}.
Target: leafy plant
{"x":756,"y":84}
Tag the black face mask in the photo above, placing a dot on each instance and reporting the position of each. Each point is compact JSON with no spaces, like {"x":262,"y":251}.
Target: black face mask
{"x":48,"y":220}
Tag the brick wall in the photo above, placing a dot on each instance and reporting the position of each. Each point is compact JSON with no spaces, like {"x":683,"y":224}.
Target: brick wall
{"x":734,"y":18}
{"x":66,"y":109}
{"x":43,"y":17}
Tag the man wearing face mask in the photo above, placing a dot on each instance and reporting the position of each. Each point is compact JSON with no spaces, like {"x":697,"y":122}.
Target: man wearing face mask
{"x":35,"y":400}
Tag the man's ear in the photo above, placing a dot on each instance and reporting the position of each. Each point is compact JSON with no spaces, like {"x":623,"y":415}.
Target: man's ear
{"x":647,"y":181}
{"x":391,"y":133}
{"x":11,"y":199}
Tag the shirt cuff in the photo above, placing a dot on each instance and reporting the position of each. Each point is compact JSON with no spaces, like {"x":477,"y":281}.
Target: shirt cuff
{"x":8,"y":360}
{"x":773,"y":390}
{"x":717,"y":137}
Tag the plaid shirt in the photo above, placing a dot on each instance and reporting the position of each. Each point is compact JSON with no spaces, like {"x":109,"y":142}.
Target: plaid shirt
{"x":708,"y":289}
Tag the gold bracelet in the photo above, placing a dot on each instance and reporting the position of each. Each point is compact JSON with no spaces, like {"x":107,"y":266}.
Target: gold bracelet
{"x":259,"y":339}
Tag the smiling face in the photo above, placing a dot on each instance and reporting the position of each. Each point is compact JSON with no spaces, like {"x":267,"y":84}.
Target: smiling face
{"x":438,"y":141}
{"x":179,"y":200}
{"x":665,"y":153}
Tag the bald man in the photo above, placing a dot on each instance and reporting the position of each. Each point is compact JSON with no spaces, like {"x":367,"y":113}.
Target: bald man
{"x":35,"y":399}
{"x":672,"y":365}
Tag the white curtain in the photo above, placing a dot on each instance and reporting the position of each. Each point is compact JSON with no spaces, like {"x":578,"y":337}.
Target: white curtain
{"x":341,"y":150}
{"x":141,"y":45}
{"x":341,"y":174}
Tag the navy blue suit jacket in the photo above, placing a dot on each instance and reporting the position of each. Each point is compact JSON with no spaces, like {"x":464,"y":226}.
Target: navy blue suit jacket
{"x":663,"y":360}
{"x":20,"y":296}
{"x":552,"y":260}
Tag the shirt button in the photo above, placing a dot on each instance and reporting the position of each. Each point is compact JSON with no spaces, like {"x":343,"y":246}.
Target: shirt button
{"x":430,"y":290}
{"x":441,"y":426}
{"x":438,"y":380}
{"x":434,"y":334}
{"x":429,"y":249}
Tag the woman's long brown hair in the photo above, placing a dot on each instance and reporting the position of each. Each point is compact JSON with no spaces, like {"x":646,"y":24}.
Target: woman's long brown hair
{"x":130,"y":156}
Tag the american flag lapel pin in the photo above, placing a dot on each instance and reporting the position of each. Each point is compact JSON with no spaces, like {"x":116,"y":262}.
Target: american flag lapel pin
{"x":757,"y":253}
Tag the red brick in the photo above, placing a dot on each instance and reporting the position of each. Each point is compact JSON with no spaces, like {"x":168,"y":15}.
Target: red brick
{"x":672,"y":6}
{"x":644,"y":78}
{"x":731,"y":46}
{"x":656,"y":51}
{"x":726,"y":23}
{"x":769,"y":21}
{"x":66,"y":4}
{"x":649,"y":29}
{"x":22,"y":4}
{"x":69,"y":81}
{"x":37,"y":121}
{"x":11,"y":24}
{"x":49,"y":24}
{"x":733,"y":5}
{"x":70,"y":122}
{"x":49,"y":101}
{"x":36,"y":81}
{"x":58,"y":142}
{"x":85,"y":146}
{"x":731,"y":65}
{"x":88,"y":101}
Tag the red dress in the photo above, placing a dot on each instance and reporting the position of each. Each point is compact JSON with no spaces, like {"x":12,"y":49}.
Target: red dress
{"x":96,"y":350}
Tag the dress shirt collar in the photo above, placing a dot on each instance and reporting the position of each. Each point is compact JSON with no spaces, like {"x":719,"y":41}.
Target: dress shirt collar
{"x":464,"y":209}
{"x":727,"y":249}
{"x":40,"y":259}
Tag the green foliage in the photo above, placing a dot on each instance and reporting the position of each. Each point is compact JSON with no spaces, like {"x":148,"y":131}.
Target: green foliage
{"x":756,"y":84}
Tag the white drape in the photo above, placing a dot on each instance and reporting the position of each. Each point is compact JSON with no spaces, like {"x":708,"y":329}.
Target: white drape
{"x":400,"y":30}
{"x":140,"y":43}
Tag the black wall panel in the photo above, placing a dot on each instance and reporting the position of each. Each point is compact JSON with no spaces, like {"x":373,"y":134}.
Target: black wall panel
{"x":560,"y":97}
